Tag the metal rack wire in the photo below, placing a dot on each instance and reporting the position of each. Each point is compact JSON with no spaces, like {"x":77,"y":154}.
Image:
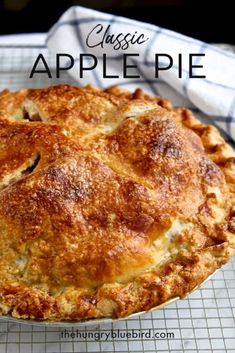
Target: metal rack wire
{"x":204,"y":322}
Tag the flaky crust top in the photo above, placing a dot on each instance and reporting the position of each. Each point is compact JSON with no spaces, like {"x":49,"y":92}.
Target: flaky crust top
{"x":111,"y":202}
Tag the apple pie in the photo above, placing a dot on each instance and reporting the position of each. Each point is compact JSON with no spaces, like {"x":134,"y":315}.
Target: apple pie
{"x":111,"y":202}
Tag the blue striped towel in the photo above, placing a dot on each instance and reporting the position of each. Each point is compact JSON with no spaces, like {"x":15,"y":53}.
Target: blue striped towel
{"x":212,"y":97}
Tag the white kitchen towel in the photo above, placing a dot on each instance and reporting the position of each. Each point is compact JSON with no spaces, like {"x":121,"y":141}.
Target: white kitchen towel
{"x":214,"y":95}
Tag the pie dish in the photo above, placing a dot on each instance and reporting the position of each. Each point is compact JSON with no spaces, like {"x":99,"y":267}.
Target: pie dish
{"x":111,"y":202}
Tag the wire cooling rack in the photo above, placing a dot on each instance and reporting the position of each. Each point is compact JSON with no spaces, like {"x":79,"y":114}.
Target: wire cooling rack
{"x":204,"y":322}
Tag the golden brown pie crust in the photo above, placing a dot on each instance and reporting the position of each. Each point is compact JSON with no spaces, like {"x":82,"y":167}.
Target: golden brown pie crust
{"x":111,"y":202}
